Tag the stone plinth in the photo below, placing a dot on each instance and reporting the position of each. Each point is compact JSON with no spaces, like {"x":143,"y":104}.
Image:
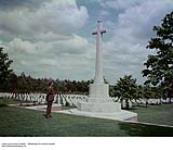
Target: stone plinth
{"x":98,"y":92}
{"x":99,"y":100}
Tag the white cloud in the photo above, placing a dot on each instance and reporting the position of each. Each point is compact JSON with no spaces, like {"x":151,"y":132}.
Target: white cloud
{"x":61,"y":17}
{"x":42,"y":42}
{"x":119,"y":4}
{"x":53,"y":58}
{"x":25,"y":47}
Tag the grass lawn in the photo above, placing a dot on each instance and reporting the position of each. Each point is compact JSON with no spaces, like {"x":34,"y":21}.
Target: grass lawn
{"x":157,"y":114}
{"x":21,"y":122}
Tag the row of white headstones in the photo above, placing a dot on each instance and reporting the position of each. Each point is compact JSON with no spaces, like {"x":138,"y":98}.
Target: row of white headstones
{"x":70,"y":99}
{"x":40,"y":98}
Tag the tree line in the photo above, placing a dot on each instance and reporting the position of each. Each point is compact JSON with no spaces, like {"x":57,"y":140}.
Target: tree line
{"x":27,"y":84}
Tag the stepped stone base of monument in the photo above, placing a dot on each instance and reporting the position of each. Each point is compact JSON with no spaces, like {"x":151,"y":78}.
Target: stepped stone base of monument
{"x":106,"y":110}
{"x":120,"y":116}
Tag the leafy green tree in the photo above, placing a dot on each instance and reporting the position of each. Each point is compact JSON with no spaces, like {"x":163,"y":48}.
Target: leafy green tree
{"x":126,"y":89}
{"x":13,"y":83}
{"x":147,"y":93}
{"x":5,"y":70}
{"x":112,"y":91}
{"x":139,"y":92}
{"x":159,"y":66}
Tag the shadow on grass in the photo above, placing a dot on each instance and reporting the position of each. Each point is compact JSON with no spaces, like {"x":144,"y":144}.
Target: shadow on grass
{"x":134,"y":129}
{"x":3,"y":105}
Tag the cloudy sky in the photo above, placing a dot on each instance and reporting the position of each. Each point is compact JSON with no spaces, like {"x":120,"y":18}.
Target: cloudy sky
{"x":52,"y":38}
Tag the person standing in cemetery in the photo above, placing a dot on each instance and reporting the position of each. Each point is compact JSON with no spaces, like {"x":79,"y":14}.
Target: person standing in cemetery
{"x":49,"y":99}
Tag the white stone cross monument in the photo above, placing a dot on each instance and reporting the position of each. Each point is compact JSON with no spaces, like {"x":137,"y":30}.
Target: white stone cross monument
{"x":99,"y":100}
{"x":99,"y":58}
{"x":99,"y":104}
{"x":99,"y":90}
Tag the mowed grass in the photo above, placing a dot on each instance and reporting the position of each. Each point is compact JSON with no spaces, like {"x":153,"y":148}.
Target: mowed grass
{"x":156,"y":114}
{"x":22,"y":122}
